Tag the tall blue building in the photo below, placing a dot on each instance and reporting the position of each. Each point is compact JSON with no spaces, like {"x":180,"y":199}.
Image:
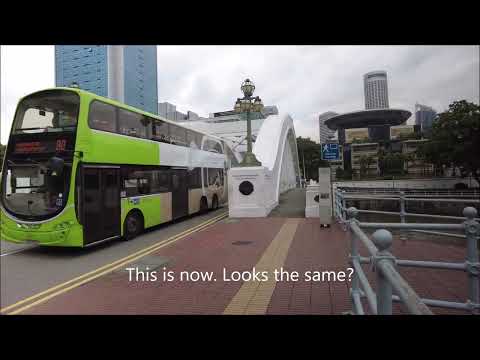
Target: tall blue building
{"x":424,"y":117}
{"x":125,"y":73}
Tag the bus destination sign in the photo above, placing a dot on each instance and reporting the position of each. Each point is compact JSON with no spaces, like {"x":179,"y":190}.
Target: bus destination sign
{"x":39,"y":147}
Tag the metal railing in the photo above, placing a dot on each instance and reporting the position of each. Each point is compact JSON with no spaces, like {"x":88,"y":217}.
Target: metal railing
{"x":384,"y":263}
{"x":471,"y":193}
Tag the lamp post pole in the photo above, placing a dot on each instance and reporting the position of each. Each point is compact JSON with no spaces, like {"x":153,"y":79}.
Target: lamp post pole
{"x":246,"y":105}
{"x":249,"y":133}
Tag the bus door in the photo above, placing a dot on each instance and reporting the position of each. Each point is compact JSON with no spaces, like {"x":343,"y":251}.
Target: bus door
{"x":179,"y":193}
{"x":101,"y":203}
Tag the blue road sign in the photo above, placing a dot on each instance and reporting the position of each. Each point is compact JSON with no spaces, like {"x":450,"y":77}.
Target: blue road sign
{"x":330,"y":152}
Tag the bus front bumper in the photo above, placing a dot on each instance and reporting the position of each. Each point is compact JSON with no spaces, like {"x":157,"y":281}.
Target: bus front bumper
{"x":41,"y":237}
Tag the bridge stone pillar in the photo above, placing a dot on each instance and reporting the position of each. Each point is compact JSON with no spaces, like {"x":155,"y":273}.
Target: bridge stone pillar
{"x":250,"y":192}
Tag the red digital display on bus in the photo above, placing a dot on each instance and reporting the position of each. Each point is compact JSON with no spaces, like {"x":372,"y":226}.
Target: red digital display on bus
{"x":38,"y":147}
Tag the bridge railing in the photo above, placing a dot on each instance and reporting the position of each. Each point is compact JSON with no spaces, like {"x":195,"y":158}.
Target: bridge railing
{"x":384,"y":263}
{"x":473,"y":193}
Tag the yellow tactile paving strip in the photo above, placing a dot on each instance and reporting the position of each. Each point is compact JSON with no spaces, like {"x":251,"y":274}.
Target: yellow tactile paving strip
{"x":254,"y":296}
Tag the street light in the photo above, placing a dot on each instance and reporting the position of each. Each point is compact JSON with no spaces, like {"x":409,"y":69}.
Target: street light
{"x":247,"y":104}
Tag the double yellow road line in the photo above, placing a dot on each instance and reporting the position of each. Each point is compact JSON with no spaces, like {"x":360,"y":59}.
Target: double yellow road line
{"x":46,"y":295}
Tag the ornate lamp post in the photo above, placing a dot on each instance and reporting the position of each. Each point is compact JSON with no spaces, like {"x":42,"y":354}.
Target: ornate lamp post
{"x":247,"y":104}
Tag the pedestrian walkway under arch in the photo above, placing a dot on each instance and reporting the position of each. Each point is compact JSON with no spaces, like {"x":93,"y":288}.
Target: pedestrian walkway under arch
{"x":291,"y":204}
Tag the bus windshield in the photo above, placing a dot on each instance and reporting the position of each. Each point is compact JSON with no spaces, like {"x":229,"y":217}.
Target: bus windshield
{"x":32,"y":191}
{"x":47,"y":111}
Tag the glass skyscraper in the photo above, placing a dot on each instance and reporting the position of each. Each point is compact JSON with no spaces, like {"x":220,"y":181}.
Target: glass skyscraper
{"x":125,"y":73}
{"x":424,"y":117}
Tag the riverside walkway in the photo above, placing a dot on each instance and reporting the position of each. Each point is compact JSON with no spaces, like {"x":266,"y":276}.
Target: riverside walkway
{"x":239,"y":245}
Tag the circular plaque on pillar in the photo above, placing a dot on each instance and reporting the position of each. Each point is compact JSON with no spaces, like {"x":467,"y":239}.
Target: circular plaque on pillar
{"x":245,"y":187}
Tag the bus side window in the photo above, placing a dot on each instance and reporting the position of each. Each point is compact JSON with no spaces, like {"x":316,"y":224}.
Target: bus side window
{"x":222,"y":177}
{"x":160,"y":181}
{"x":194,"y":139}
{"x":218,"y":148}
{"x":102,"y":117}
{"x":134,"y":182}
{"x":194,"y":178}
{"x":214,"y":177}
{"x":131,"y":124}
{"x":160,"y":131}
{"x":213,"y":146}
{"x":178,"y":135}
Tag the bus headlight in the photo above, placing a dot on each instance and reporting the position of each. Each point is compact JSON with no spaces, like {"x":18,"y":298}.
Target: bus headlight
{"x":29,"y":226}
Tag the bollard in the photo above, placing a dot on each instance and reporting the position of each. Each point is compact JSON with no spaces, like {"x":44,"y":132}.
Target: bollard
{"x":340,"y":206}
{"x":472,"y":233}
{"x":383,"y":240}
{"x":403,"y":236}
{"x":337,"y":207}
{"x":344,"y":202}
{"x":354,"y":255}
{"x":402,"y":206}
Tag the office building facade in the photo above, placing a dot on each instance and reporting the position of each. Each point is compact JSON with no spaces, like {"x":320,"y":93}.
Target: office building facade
{"x":124,"y":73}
{"x":325,"y":132}
{"x":169,"y":112}
{"x":424,"y":117}
{"x":376,"y":90}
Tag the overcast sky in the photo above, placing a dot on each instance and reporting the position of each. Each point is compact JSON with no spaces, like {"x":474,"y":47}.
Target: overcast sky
{"x":304,"y":81}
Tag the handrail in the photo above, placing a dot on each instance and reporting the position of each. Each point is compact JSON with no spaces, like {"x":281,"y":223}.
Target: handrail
{"x":385,"y":264}
{"x":370,"y":197}
{"x":412,"y":191}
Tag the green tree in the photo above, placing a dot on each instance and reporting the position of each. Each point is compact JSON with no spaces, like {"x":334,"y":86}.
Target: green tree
{"x":363,"y":165}
{"x":381,"y":160}
{"x":408,"y":158}
{"x":365,"y":162}
{"x":390,"y":163}
{"x":455,"y":139}
{"x":310,"y":152}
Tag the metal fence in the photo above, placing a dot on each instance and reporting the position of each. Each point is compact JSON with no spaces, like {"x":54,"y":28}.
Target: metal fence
{"x":467,"y":193}
{"x":390,"y":285}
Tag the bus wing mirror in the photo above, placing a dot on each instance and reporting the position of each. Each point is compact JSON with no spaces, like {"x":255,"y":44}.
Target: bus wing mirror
{"x":56,"y":165}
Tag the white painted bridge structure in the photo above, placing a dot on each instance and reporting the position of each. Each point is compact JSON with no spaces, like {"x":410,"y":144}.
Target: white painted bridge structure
{"x":255,"y":191}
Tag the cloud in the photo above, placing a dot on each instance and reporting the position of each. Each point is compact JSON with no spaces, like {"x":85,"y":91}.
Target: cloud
{"x":304,"y":81}
{"x":24,"y":69}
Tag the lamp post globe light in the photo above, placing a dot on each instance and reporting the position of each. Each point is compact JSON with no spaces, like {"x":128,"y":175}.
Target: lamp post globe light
{"x":245,"y":105}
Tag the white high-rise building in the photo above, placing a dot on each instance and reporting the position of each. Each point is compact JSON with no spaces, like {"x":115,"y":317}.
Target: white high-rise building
{"x":376,"y":90}
{"x":325,"y":132}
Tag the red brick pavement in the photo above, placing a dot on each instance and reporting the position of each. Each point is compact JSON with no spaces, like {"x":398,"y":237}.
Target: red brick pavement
{"x":436,"y":284}
{"x":207,"y":250}
{"x":312,"y":249}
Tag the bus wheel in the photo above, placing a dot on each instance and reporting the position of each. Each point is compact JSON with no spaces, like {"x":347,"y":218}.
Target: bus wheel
{"x":215,"y":202}
{"x":133,"y":226}
{"x":203,"y":205}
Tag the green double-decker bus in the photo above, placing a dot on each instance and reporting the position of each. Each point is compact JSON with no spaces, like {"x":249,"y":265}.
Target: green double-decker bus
{"x":80,"y":169}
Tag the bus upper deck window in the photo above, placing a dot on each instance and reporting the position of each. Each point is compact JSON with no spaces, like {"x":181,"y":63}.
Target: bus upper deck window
{"x":102,"y":117}
{"x":132,"y":124}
